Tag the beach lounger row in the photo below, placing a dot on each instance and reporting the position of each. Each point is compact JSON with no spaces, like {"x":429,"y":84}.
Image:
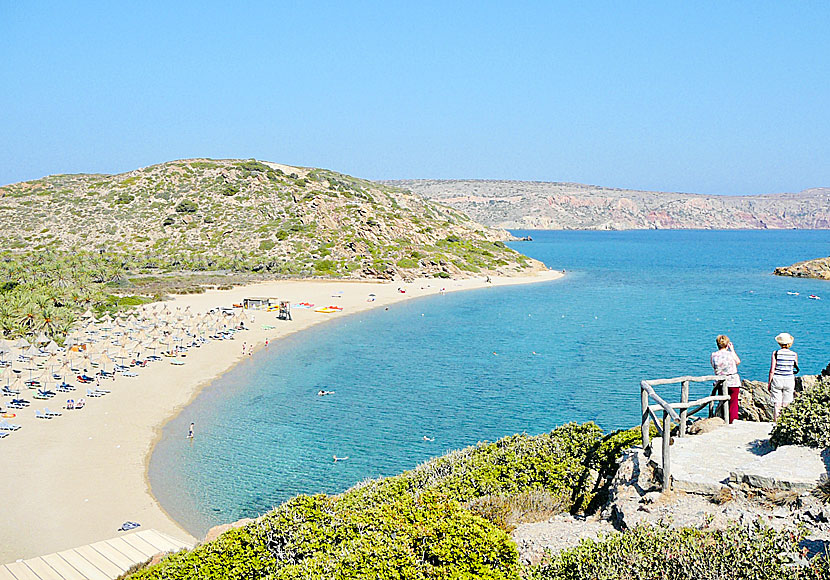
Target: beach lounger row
{"x":18,"y":404}
{"x":47,"y":414}
{"x":6,"y":426}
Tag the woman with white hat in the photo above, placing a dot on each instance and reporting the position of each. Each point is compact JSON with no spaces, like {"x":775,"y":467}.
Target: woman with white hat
{"x":782,"y":371}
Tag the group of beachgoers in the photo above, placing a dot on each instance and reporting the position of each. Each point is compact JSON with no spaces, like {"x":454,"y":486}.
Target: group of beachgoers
{"x":782,"y":371}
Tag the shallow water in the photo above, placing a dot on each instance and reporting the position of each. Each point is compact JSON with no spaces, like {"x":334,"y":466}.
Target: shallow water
{"x":482,"y":364}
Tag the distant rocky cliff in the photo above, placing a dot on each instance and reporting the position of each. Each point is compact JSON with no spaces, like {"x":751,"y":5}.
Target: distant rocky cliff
{"x":543,"y":205}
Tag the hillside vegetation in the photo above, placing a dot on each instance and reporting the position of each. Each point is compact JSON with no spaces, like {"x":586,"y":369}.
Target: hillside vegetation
{"x":203,"y":214}
{"x":575,"y":206}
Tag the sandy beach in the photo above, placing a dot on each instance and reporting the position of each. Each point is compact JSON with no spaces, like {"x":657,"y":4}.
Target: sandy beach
{"x":75,"y":479}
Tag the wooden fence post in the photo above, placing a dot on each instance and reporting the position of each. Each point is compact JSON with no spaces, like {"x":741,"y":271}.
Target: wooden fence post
{"x":684,"y":397}
{"x":646,"y":420}
{"x":666,"y":445}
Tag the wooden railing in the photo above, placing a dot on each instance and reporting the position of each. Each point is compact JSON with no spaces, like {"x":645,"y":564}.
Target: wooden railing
{"x":714,"y":402}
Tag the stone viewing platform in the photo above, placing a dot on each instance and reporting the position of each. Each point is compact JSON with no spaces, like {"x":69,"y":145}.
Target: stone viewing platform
{"x":739,"y":453}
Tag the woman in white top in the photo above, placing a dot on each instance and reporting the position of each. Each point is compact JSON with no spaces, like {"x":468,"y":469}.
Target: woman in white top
{"x":782,"y":371}
{"x":725,"y":362}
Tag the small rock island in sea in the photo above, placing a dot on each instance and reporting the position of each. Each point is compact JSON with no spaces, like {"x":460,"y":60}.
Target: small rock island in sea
{"x":817,"y":268}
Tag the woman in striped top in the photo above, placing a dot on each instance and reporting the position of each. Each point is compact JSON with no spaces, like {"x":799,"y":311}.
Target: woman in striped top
{"x":782,"y":371}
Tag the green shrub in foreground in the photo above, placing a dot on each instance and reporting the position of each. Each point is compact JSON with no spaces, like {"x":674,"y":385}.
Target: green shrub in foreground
{"x":806,"y":421}
{"x":656,"y":553}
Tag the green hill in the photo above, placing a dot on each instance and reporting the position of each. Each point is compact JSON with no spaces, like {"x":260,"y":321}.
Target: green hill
{"x":203,"y":214}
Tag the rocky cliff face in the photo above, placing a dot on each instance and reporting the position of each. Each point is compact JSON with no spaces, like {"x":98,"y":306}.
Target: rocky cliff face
{"x":542,"y":205}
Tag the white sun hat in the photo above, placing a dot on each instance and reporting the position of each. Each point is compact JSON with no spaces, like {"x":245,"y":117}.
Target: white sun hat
{"x":784,"y":338}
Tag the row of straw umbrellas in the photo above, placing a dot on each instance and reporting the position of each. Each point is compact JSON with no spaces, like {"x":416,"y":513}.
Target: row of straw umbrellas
{"x":103,"y":342}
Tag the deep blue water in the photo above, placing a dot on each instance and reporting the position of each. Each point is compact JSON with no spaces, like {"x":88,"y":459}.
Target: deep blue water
{"x":461,"y":367}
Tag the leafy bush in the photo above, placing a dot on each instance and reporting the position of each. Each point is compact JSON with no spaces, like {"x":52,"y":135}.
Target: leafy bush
{"x":646,"y":553}
{"x":124,"y":197}
{"x":168,"y":220}
{"x":187,"y":206}
{"x":267,"y":245}
{"x":407,"y":263}
{"x":806,"y":421}
{"x":325,"y":266}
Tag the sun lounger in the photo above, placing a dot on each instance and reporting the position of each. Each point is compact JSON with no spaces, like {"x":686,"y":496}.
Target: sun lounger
{"x":6,"y":426}
{"x":41,"y":415}
{"x":91,"y":393}
{"x":7,"y":392}
{"x":52,"y":413}
{"x":3,"y":434}
{"x":102,"y":391}
{"x":14,"y":405}
{"x":64,"y":387}
{"x":129,"y":374}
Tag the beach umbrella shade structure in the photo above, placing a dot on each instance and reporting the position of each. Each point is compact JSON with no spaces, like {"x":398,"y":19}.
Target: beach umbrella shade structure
{"x":122,"y":355}
{"x":17,"y":385}
{"x":32,"y":351}
{"x":52,"y":347}
{"x":105,"y":362}
{"x":42,"y":338}
{"x":7,"y":376}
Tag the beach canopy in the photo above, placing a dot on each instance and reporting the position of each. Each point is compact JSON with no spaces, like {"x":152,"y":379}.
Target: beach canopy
{"x":42,"y":338}
{"x":21,"y":343}
{"x":32,"y":351}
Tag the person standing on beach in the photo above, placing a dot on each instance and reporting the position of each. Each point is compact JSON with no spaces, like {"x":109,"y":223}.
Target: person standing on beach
{"x":725,"y":362}
{"x":190,"y":431}
{"x":782,"y":371}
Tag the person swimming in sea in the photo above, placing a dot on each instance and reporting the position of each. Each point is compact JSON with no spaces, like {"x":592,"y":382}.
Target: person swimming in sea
{"x":324,"y":393}
{"x":336,"y":459}
{"x":425,"y":438}
{"x":190,"y":431}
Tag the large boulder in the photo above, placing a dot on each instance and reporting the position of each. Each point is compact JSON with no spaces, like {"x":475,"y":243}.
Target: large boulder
{"x":755,"y":403}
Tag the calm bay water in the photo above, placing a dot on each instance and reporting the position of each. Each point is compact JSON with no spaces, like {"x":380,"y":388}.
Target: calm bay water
{"x":483,"y":364}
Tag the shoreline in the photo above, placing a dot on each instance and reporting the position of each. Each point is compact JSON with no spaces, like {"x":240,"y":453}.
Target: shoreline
{"x":76,"y":478}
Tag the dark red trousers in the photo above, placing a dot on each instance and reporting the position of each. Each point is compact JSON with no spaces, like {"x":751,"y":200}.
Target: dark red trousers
{"x":733,"y":403}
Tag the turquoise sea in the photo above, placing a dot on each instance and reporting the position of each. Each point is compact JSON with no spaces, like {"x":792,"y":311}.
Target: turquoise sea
{"x":479,"y":365}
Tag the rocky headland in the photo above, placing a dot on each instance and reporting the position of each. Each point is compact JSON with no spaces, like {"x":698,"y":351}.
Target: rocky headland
{"x":568,"y":206}
{"x":252,"y":216}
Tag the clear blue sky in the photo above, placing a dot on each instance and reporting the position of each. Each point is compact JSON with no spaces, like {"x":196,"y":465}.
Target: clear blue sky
{"x":720,"y":97}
